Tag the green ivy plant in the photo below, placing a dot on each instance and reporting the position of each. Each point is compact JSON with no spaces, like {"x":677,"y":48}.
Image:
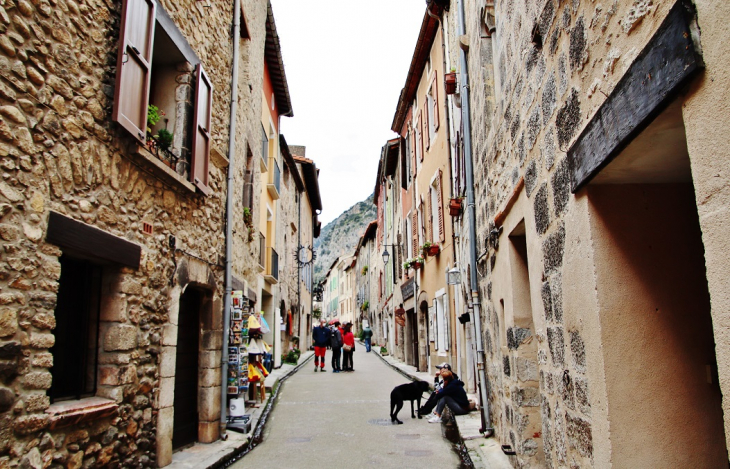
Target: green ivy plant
{"x":247,"y":216}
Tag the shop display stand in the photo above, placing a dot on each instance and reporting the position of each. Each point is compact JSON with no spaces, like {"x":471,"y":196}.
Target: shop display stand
{"x":237,"y":382}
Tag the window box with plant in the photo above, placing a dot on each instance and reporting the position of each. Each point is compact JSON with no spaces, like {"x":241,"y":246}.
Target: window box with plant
{"x":160,"y":143}
{"x":156,"y":68}
{"x":430,"y":249}
{"x":414,"y":262}
{"x":450,"y":81}
{"x":455,"y":205}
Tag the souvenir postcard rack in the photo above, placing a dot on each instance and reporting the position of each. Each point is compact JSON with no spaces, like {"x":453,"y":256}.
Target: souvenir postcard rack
{"x":237,"y":345}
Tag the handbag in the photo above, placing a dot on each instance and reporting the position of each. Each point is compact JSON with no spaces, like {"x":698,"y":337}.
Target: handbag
{"x":347,"y":348}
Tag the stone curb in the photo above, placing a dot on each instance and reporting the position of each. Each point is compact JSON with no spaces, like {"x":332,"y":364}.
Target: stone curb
{"x":481,"y":450}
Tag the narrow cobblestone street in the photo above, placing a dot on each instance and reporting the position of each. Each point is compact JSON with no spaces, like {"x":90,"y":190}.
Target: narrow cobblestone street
{"x":342,"y":420}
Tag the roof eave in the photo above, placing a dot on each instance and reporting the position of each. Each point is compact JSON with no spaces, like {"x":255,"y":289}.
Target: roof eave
{"x":426,"y":36}
{"x":272,"y":55}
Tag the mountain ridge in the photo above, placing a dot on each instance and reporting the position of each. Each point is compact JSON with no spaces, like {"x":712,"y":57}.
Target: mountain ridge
{"x":340,"y":236}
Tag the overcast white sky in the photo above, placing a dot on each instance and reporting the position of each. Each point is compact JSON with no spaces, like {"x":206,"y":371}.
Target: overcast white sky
{"x":346,"y":62}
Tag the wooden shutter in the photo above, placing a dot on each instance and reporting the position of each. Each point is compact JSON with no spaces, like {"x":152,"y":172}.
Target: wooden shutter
{"x":413,"y":152}
{"x":429,"y":219}
{"x":403,"y":163}
{"x":435,"y":95}
{"x":134,"y":63}
{"x":424,"y":124}
{"x":399,"y":257}
{"x":414,"y":231}
{"x":420,"y":135}
{"x":440,"y":202}
{"x":201,"y":131}
{"x":381,"y":228}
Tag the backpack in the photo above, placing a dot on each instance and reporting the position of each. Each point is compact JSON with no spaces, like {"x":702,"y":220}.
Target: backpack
{"x":336,"y":339}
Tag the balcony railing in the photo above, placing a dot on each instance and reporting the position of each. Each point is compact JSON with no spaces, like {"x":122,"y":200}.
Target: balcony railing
{"x":262,"y":251}
{"x":272,"y":266}
{"x":274,"y":185}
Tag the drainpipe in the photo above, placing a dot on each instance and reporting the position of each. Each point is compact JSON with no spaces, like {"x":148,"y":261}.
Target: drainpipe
{"x":471,"y":210}
{"x":299,"y":266}
{"x":229,"y":216}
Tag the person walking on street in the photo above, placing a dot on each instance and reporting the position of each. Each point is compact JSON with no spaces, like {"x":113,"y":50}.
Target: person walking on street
{"x":348,"y":347}
{"x":336,"y":344}
{"x":367,"y":334}
{"x":321,"y":338}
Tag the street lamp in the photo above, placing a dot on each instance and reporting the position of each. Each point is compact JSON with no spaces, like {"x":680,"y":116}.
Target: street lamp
{"x":453,"y":276}
{"x":386,"y":254}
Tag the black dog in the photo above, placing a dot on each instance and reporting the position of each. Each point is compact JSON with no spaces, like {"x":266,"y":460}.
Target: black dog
{"x":406,"y":392}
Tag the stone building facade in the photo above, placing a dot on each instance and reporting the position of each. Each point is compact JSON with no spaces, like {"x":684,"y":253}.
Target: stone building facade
{"x":602,"y":222}
{"x":112,"y":244}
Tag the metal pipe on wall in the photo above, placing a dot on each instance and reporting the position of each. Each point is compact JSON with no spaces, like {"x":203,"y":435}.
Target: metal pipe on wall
{"x":471,"y":210}
{"x":229,"y":214}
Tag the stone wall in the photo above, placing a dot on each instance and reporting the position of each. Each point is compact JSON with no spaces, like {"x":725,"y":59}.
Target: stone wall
{"x":60,"y":152}
{"x":534,"y":85}
{"x":248,"y":140}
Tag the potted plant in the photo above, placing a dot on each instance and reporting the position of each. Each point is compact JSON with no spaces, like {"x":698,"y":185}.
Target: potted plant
{"x":455,"y":206}
{"x":364,"y":270}
{"x":407,"y":264}
{"x":417,"y":262}
{"x":164,"y":138}
{"x":154,"y":114}
{"x":365,"y":306}
{"x":450,"y":81}
{"x":430,"y":249}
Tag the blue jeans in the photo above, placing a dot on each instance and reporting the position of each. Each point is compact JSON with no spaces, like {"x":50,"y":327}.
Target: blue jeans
{"x":367,"y":344}
{"x":455,"y":408}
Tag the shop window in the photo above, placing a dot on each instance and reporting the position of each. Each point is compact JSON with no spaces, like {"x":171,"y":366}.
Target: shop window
{"x":75,"y":351}
{"x":156,"y":67}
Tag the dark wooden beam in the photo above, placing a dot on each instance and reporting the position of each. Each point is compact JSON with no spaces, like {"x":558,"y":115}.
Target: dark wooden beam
{"x":652,"y":82}
{"x":75,"y":237}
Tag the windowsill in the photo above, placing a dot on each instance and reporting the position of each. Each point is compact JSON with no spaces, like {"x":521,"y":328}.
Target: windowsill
{"x":67,"y":413}
{"x":218,"y":158}
{"x":161,"y":169}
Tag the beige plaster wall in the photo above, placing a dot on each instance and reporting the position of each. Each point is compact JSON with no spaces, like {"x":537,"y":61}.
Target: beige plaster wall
{"x":705,"y":113}
{"x":656,"y":328}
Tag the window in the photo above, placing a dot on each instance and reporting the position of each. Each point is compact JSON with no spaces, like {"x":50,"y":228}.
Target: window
{"x":437,"y":211}
{"x":442,"y":322}
{"x":421,"y":226}
{"x":248,"y":180}
{"x":409,"y":235}
{"x":407,"y":162}
{"x":156,"y":66}
{"x":264,"y":150}
{"x":77,"y":329}
{"x":433,"y":107}
{"x":419,"y":144}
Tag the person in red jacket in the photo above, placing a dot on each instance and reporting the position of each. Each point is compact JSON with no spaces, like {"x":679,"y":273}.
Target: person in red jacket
{"x":348,"y":341}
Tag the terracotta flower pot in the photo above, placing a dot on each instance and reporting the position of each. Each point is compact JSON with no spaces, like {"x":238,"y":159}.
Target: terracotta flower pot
{"x":450,"y":82}
{"x":455,"y":207}
{"x":433,"y":250}
{"x":416,"y":265}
